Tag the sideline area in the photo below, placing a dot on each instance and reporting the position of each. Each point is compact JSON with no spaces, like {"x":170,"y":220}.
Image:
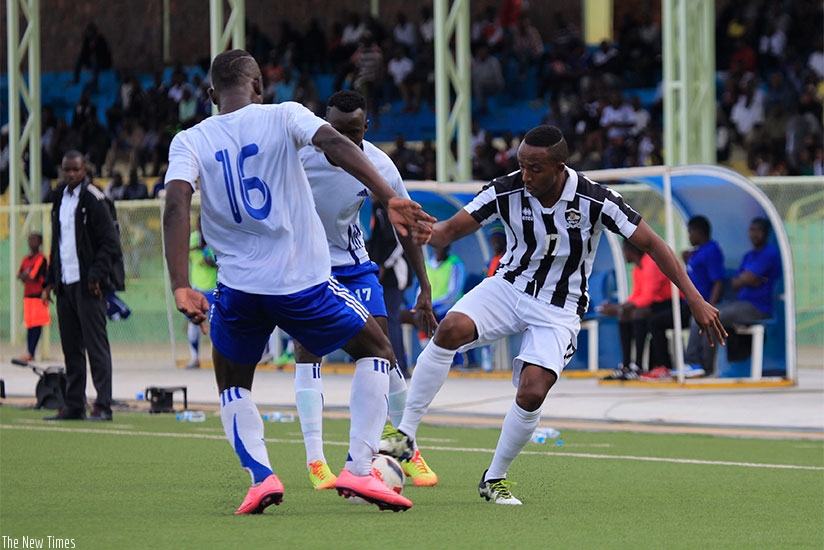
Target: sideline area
{"x":574,"y":403}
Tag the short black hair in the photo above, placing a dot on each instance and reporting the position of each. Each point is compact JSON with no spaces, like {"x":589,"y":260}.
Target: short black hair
{"x":229,"y":67}
{"x":763,"y":224}
{"x":700,"y":224}
{"x":74,"y":154}
{"x":550,"y":137}
{"x":347,"y":101}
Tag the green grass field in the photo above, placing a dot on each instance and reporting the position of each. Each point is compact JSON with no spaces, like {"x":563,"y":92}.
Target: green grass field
{"x":148,"y":481}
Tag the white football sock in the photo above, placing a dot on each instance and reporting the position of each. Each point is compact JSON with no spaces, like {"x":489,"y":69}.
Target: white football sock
{"x":429,"y":376}
{"x":309,"y":402}
{"x":244,"y":430}
{"x":193,"y":334}
{"x":367,"y":410}
{"x":515,"y":433}
{"x":397,"y":395}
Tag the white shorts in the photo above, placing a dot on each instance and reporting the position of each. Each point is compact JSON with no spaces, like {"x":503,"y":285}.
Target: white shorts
{"x":550,"y":333}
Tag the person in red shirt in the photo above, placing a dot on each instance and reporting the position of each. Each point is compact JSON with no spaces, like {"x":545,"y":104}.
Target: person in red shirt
{"x":32,"y":273}
{"x":651,"y":291}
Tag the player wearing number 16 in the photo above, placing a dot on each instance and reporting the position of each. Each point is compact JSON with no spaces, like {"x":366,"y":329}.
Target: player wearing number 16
{"x":553,"y":217}
{"x":259,"y":217}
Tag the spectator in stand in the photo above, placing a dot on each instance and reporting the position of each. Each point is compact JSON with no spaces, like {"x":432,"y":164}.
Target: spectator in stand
{"x":115,"y":188}
{"x":487,"y":31}
{"x":566,"y":36}
{"x":159,"y":189}
{"x":815,"y":61}
{"x":650,"y":294}
{"x":314,"y":47}
{"x":180,"y":83}
{"x":187,"y":108}
{"x":705,"y":267}
{"x":641,"y":118}
{"x":421,"y":80}
{"x":606,"y":64}
{"x":405,"y":34}
{"x":755,"y":283}
{"x":128,"y":103}
{"x":306,"y":92}
{"x":427,"y":160}
{"x":527,"y":46}
{"x":484,"y":165}
{"x":65,"y":139}
{"x":82,"y":111}
{"x":94,"y":54}
{"x":487,"y":78}
{"x":743,"y":58}
{"x":285,"y":87}
{"x":368,"y":63}
{"x":353,"y":31}
{"x":507,"y":157}
{"x":96,"y":142}
{"x":405,"y":159}
{"x":426,"y":25}
{"x":772,"y":46}
{"x":399,"y":67}
{"x":748,"y":112}
{"x":135,"y":189}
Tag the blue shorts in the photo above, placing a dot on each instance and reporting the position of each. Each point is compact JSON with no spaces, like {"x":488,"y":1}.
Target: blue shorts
{"x":210,"y":297}
{"x":362,"y":281}
{"x":322,"y":318}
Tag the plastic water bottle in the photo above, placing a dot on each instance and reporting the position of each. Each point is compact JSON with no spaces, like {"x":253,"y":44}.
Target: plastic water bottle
{"x":140,"y":396}
{"x":551,"y":433}
{"x":486,"y":359}
{"x":277,"y":416}
{"x":191,"y":416}
{"x":538,"y":436}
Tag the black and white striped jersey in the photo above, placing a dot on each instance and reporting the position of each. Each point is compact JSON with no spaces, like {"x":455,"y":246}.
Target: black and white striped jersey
{"x":550,"y":251}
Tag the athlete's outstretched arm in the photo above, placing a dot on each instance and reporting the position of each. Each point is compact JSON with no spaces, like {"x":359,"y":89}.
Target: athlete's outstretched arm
{"x":704,"y":313}
{"x":423,"y":305}
{"x":176,"y":231}
{"x":458,"y":226}
{"x":403,"y":213}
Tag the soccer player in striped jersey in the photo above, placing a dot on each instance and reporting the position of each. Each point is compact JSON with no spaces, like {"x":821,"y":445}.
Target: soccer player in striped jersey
{"x":553,"y":217}
{"x":259,"y":217}
{"x":352,"y":267}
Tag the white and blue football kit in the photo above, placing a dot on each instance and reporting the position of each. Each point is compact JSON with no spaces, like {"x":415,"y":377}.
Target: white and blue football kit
{"x":274,"y":268}
{"x":259,"y":217}
{"x":351,"y":265}
{"x":352,"y":268}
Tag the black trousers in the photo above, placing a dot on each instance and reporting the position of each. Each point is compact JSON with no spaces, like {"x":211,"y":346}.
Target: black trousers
{"x":82,"y":321}
{"x":393,"y":297}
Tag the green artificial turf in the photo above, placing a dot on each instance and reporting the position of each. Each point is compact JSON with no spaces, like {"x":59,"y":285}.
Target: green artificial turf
{"x":148,"y":481}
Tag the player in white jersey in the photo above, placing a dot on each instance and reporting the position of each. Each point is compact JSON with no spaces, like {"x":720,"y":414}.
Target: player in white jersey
{"x":553,"y":218}
{"x":352,"y":267}
{"x":259,"y":217}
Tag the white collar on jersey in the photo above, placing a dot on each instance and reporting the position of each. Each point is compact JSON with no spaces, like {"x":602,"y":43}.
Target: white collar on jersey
{"x":571,"y":185}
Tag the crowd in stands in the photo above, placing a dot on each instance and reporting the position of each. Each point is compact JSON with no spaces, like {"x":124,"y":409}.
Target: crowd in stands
{"x":769,"y":88}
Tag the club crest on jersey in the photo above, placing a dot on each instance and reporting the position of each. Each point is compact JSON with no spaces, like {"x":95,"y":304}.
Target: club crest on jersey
{"x":573,"y":218}
{"x":526,"y":214}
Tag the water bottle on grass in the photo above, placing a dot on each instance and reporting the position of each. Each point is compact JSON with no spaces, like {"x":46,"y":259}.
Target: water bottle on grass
{"x":191,"y":416}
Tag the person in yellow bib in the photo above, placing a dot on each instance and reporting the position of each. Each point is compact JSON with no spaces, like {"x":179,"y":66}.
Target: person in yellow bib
{"x":203,"y":271}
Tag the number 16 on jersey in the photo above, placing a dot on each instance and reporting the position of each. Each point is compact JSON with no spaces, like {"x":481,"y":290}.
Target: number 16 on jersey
{"x":248,"y":184}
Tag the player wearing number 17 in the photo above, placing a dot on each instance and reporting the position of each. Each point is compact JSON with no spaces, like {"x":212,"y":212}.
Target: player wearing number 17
{"x":553,"y":217}
{"x":259,"y":217}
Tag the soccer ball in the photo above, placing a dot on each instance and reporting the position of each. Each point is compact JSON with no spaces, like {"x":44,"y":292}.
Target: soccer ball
{"x":390,"y":472}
